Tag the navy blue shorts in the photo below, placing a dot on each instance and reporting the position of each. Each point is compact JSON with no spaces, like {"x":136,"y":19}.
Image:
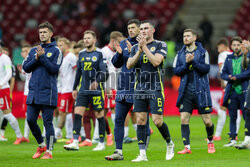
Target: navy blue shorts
{"x":153,"y":102}
{"x":190,"y":102}
{"x":96,"y":101}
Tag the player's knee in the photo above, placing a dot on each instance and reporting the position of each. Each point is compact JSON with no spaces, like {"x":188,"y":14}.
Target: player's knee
{"x":208,"y":122}
{"x":158,"y":122}
{"x":184,"y":120}
{"x":141,"y":121}
{"x":61,"y":124}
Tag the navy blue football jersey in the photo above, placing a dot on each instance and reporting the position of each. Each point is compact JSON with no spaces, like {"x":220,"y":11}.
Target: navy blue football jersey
{"x":148,"y":77}
{"x":91,"y":66}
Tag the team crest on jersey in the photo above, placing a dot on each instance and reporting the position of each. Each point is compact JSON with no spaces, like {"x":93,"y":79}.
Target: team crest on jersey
{"x":152,"y":49}
{"x":87,"y":58}
{"x":181,"y":106}
{"x":82,"y":59}
{"x":94,"y":58}
{"x":49,"y":54}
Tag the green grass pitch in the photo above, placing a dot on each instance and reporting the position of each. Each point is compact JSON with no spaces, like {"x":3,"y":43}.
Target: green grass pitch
{"x":21,"y":155}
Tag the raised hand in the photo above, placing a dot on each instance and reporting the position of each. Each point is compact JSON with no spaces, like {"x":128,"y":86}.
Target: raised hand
{"x":40,"y":51}
{"x":118,"y":48}
{"x":129,"y":46}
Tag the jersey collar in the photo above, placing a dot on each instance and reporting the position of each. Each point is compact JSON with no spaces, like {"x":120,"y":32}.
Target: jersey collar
{"x":110,"y":48}
{"x":66,"y":54}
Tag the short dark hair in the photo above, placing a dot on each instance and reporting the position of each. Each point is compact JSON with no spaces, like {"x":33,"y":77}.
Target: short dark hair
{"x":191,"y":30}
{"x":26,"y":46}
{"x":134,"y":21}
{"x":78,"y":45}
{"x":236,"y":38}
{"x":90,"y":32}
{"x":148,"y":21}
{"x":46,"y":25}
{"x":223,"y":41}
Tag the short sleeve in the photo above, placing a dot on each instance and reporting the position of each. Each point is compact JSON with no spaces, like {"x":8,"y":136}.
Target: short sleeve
{"x":162,"y":49}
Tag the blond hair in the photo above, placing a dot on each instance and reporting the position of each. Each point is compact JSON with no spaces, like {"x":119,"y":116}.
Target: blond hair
{"x":64,"y":40}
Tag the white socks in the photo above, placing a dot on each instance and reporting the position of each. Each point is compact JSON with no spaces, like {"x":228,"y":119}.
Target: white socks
{"x":69,"y":126}
{"x":126,"y":129}
{"x":82,"y":132}
{"x":188,"y":147}
{"x":238,"y":121}
{"x":14,"y":124}
{"x":44,"y":132}
{"x":143,"y":152}
{"x":247,"y":139}
{"x":135,"y":127}
{"x":222,"y":115}
{"x":96,"y":132}
{"x":113,"y":118}
{"x":2,"y":132}
{"x":58,"y":133}
{"x":42,"y":144}
{"x":55,"y":121}
{"x":119,"y":151}
{"x":26,"y":129}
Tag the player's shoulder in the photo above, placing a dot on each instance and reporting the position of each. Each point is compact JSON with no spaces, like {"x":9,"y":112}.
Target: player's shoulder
{"x":135,"y":46}
{"x":105,"y":48}
{"x":225,"y":53}
{"x":124,"y":41}
{"x":98,"y":50}
{"x":5,"y":58}
{"x":161,"y":43}
{"x":56,"y":48}
{"x":33,"y":49}
{"x":71,"y":56}
{"x":82,"y":51}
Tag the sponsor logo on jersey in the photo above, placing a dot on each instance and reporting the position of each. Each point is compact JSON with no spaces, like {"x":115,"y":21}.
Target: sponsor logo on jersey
{"x":49,"y":54}
{"x":87,"y":58}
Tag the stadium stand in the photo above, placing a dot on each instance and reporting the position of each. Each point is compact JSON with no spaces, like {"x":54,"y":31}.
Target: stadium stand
{"x":241,"y":23}
{"x":22,"y":17}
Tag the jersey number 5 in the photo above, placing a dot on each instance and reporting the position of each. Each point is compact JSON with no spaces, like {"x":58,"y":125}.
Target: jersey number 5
{"x":87,"y":65}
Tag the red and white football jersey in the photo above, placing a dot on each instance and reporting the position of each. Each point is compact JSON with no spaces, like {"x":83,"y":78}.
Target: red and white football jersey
{"x":67,"y":72}
{"x":108,"y":54}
